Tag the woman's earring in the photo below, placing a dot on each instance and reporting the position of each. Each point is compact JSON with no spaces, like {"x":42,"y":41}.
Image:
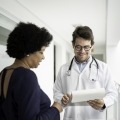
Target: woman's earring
{"x":28,"y":55}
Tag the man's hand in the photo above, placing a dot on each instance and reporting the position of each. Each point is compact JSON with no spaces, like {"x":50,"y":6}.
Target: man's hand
{"x":66,"y":99}
{"x":96,"y":104}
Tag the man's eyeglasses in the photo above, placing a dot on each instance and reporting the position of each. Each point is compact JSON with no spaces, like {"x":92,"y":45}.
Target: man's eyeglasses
{"x":79,"y":47}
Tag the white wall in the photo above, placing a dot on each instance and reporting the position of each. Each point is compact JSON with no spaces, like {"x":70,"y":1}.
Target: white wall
{"x":64,"y":53}
{"x":113,"y":37}
{"x":112,"y":50}
{"x":5,"y":60}
{"x":113,"y":59}
{"x":45,"y":72}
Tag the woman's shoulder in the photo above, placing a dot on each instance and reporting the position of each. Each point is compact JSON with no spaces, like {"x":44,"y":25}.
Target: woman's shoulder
{"x":23,"y":70}
{"x":24,"y":73}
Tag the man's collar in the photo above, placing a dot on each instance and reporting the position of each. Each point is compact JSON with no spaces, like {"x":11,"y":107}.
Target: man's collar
{"x":84,"y":62}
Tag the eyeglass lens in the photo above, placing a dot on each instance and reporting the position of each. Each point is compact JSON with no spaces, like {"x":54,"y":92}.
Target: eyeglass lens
{"x":79,"y":47}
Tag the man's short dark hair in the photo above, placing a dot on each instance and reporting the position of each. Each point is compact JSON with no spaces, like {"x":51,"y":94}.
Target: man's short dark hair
{"x":83,"y":32}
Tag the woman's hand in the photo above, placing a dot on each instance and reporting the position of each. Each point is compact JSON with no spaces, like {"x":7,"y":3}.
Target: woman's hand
{"x":58,"y":106}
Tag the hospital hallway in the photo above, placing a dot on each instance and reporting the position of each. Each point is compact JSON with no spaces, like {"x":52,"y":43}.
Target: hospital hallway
{"x":61,"y":17}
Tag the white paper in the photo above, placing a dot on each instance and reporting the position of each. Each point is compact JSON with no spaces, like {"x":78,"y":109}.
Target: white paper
{"x":88,"y":94}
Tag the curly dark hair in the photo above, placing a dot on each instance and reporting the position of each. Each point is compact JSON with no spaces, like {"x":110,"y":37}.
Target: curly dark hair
{"x":27,"y":38}
{"x":83,"y":32}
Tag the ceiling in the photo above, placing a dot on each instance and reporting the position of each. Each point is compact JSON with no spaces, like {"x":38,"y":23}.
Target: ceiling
{"x":62,"y":16}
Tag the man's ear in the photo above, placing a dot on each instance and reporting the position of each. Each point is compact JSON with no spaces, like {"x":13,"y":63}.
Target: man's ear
{"x":92,"y":49}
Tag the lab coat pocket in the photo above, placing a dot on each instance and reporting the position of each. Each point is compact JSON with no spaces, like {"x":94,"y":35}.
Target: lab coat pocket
{"x":90,"y":80}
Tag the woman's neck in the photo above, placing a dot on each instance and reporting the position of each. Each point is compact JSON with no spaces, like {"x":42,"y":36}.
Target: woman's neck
{"x":19,"y":63}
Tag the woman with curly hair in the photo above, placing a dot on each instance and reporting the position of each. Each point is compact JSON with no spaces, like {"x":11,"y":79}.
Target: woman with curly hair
{"x":20,"y":94}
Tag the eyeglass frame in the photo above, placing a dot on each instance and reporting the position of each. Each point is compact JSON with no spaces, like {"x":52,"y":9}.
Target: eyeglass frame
{"x":82,"y":47}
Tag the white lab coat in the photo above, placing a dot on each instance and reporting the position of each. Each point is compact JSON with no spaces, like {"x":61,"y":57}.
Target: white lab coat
{"x":81,"y":80}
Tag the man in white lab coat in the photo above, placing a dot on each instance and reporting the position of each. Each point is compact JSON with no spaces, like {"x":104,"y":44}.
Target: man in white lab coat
{"x":84,"y":72}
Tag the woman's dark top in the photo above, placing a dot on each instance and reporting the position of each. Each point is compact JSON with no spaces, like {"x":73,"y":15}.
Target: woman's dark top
{"x":25,"y":99}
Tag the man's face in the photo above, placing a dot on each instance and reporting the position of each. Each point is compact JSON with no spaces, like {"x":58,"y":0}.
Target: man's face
{"x":82,"y":49}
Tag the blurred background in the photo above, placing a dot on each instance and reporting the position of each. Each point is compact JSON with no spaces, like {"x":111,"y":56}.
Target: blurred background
{"x":61,"y":17}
